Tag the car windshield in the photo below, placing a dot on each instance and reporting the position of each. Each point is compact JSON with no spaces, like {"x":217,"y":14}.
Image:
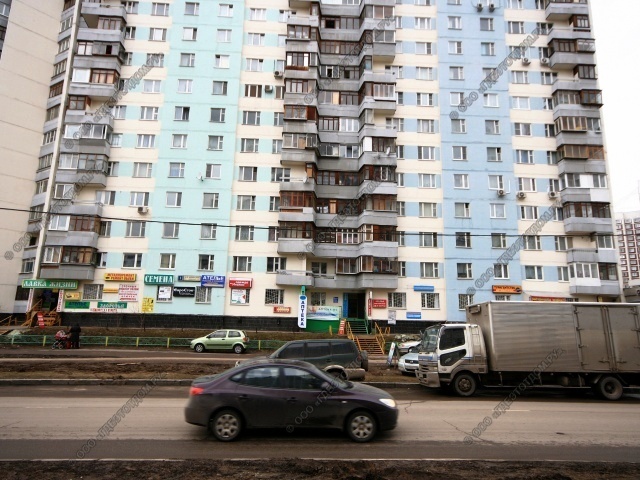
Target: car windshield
{"x":430,"y":339}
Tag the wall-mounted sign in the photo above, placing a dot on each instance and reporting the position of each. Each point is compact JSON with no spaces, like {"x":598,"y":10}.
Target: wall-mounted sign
{"x":414,"y":315}
{"x":112,"y":305}
{"x":158,"y":279}
{"x":60,"y":300}
{"x":238,"y":297}
{"x":165,"y":293}
{"x":128,"y":293}
{"x":147,"y":305}
{"x":240,"y":282}
{"x":424,"y":288}
{"x":323,"y":312}
{"x":281,"y":309}
{"x":184,"y":291}
{"x":517,"y":289}
{"x":110,"y":290}
{"x":120,"y":277}
{"x":189,"y":278}
{"x":72,"y":296}
{"x":76,"y":305}
{"x":379,"y":303}
{"x":67,"y":284}
{"x":214,"y":281}
{"x":302,"y":312}
{"x":547,"y":299}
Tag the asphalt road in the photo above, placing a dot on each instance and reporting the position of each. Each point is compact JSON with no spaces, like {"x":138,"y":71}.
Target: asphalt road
{"x":55,"y":422}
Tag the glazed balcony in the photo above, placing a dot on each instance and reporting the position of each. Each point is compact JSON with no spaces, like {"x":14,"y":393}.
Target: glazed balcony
{"x":563,"y":10}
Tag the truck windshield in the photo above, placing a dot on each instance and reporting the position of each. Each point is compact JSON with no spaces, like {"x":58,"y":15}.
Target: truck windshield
{"x":430,"y":339}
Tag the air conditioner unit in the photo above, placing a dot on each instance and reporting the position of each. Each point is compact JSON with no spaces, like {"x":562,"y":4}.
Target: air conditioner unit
{"x":521,"y":194}
{"x":143,"y":210}
{"x":268,"y":88}
{"x":277,"y":74}
{"x":479,"y":7}
{"x":544,"y":61}
{"x":553,"y":194}
{"x":501,"y":193}
{"x":526,"y":61}
{"x":492,"y":7}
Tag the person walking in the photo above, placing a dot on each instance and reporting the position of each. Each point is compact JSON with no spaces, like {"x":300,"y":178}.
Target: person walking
{"x":74,"y":336}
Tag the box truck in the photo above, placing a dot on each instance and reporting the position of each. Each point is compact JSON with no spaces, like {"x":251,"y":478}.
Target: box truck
{"x":526,"y":344}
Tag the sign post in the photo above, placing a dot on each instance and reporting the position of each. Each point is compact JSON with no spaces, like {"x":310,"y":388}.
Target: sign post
{"x":302,"y":312}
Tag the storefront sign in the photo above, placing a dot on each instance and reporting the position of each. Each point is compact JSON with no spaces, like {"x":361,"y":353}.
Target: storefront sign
{"x":184,"y":291}
{"x":158,"y":279}
{"x":120,"y":277}
{"x":379,"y":303}
{"x":424,"y":288}
{"x":128,"y":293}
{"x":76,"y":305}
{"x":323,"y":312}
{"x":392,"y":317}
{"x":60,"y":300}
{"x":414,"y":315}
{"x":112,"y":305}
{"x":165,"y":293}
{"x":547,"y":299}
{"x":281,"y":309}
{"x":189,"y":278}
{"x":517,"y":289}
{"x":302,"y":312}
{"x":214,"y":281}
{"x":147,"y":305}
{"x":68,"y":284}
{"x":240,"y":282}
{"x":238,"y":297}
{"x":110,"y":290}
{"x":72,"y":296}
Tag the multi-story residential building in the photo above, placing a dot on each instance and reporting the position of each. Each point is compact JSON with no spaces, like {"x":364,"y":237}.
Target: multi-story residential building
{"x":628,"y":236}
{"x":387,"y":160}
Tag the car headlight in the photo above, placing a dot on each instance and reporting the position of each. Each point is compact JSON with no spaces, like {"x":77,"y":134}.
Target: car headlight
{"x":389,"y":402}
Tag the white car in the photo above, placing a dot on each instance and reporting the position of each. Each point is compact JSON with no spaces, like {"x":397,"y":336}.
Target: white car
{"x":405,"y":347}
{"x":408,"y":364}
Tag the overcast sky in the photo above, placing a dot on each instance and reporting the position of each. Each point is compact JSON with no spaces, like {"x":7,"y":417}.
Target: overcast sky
{"x":615,"y":26}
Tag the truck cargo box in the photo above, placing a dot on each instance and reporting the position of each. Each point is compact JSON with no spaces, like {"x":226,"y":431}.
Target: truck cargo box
{"x":593,"y":336}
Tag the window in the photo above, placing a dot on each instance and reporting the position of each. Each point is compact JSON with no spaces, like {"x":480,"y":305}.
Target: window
{"x":488,"y":49}
{"x":225,"y":10}
{"x":455,"y":47}
{"x":246,"y":202}
{"x":427,"y":180}
{"x":92,"y":291}
{"x":259,"y":14}
{"x":461,"y":180}
{"x":522,"y":129}
{"x":425,"y":99}
{"x":215,"y":142}
{"x":524,"y":156}
{"x":221,"y":61}
{"x":249,"y":145}
{"x":423,"y":23}
{"x":515,"y":27}
{"x":157,"y":34}
{"x":107,"y":197}
{"x":250,"y":118}
{"x":213,"y":170}
{"x":146,"y":141}
{"x":142,"y":169}
{"x":189,"y":33}
{"x":429,"y":239}
{"x":132,"y":260}
{"x":253,"y":91}
{"x":500,"y":271}
{"x":492,"y":127}
{"x":518,"y":76}
{"x":217,"y":115}
{"x":496,"y":182}
{"x":464,"y":270}
{"x":242,"y":264}
{"x":274,"y":204}
{"x":458,"y":125}
{"x":527,"y":184}
{"x":273,"y":296}
{"x":528,"y":212}
{"x":498,"y":240}
{"x":429,"y":270}
{"x":276,"y":263}
{"x":167,"y":261}
{"x":563,"y":274}
{"x":426,"y":126}
{"x":255,"y":39}
{"x":185,"y":86}
{"x":205,"y":262}
{"x":280,"y":174}
{"x":161,"y":9}
{"x":151,"y":86}
{"x":210,"y":200}
{"x":424,"y":48}
{"x":397,"y":300}
{"x":605,"y":241}
{"x":176,"y":170}
{"x":170,"y":230}
{"x":456,"y":73}
{"x":278,"y":119}
{"x":148,"y":113}
{"x":208,"y":231}
{"x":563,"y":243}
{"x":532,"y":272}
{"x":455,"y":23}
{"x":219,"y":88}
{"x":276,"y":146}
{"x":203,"y":295}
{"x":247,"y":174}
{"x":462,"y":210}
{"x":531,"y":242}
{"x":424,"y":73}
{"x":497,"y":210}
{"x":174,"y":199}
{"x":191,"y":8}
{"x":400,"y":208}
{"x":187,"y":59}
{"x":549,"y":130}
{"x":428,"y":209}
{"x":548,"y":78}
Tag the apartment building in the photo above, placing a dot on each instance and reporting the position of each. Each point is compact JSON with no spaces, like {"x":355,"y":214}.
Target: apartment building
{"x":628,"y":236}
{"x":383,"y":160}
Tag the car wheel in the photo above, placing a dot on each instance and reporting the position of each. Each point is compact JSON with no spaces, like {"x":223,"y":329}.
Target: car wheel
{"x":238,"y":348}
{"x":226,"y":425}
{"x":465,"y":384}
{"x":361,"y":426}
{"x":199,"y":348}
{"x":610,"y":388}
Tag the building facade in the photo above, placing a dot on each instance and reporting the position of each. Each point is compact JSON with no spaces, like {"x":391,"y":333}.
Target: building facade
{"x":628,"y":236}
{"x":385,"y":160}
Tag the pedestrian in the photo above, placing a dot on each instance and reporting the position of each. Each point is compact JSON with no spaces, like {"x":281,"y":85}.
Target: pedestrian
{"x":74,"y":336}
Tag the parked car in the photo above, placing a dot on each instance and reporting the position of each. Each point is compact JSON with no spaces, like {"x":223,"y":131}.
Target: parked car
{"x":234,"y":340}
{"x":290,"y":394}
{"x":408,"y":363}
{"x":338,"y":356}
{"x":405,"y":347}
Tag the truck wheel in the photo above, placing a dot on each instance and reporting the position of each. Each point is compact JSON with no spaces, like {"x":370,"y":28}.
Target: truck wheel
{"x":610,"y":388}
{"x":464,"y":385}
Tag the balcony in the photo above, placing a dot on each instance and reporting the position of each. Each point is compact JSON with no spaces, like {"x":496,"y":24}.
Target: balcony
{"x":592,"y":255}
{"x":588,"y":225}
{"x":92,"y":12}
{"x":296,"y":214}
{"x":563,"y":10}
{"x":67,"y":272}
{"x":97,"y":91}
{"x":594,"y":286}
{"x":357,"y":282}
{"x":299,"y":246}
{"x":585,"y":195}
{"x":570,"y":60}
{"x":72,"y":238}
{"x":296,"y":278}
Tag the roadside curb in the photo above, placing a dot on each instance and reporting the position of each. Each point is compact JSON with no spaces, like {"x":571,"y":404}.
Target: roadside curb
{"x":158,"y":382}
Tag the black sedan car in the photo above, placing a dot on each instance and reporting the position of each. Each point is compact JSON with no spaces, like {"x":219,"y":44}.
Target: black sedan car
{"x":287,"y":394}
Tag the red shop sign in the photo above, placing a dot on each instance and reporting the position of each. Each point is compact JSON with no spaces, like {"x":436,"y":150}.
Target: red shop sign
{"x":240,"y":282}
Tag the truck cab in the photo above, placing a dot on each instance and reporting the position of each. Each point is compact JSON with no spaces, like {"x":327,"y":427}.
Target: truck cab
{"x":452,"y":354}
